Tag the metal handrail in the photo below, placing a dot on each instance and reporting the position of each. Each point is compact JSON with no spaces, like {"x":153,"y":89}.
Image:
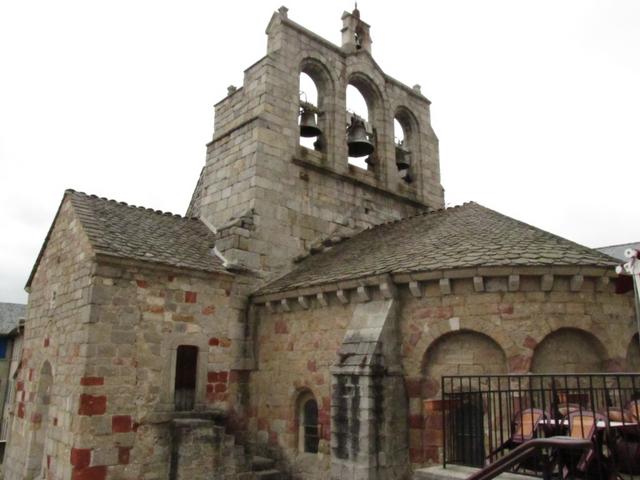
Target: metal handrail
{"x":527,"y":449}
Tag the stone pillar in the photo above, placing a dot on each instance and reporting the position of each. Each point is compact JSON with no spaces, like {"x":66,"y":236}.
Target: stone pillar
{"x":369,"y":403}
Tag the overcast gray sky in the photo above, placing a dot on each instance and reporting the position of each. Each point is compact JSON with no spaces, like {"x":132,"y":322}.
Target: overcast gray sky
{"x":536,"y":103}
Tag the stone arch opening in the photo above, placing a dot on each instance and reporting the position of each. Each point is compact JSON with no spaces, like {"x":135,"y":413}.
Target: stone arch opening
{"x":464,"y":352}
{"x":186,"y":377}
{"x":307,"y":415}
{"x":569,"y":350}
{"x":316,"y":91}
{"x":405,"y":142}
{"x":363,"y":104}
{"x":633,"y":354}
{"x":36,"y":461}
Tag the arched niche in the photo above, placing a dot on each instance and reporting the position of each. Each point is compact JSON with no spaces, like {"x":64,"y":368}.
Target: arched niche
{"x":463,"y":352}
{"x":569,"y":350}
{"x":36,"y":460}
{"x":633,"y":355}
{"x":318,"y":87}
{"x":406,"y":145}
{"x":364,"y":100}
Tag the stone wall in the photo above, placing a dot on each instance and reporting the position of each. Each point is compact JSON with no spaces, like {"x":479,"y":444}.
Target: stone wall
{"x":140,"y":317}
{"x":520,"y":326}
{"x":490,"y":324}
{"x":56,"y":336}
{"x":294,"y":354}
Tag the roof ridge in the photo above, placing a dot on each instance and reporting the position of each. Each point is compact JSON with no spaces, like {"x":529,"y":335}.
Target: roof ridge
{"x":125,"y":204}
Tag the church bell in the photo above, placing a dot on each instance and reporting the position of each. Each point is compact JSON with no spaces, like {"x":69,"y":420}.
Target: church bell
{"x":358,"y":140}
{"x":308,"y":124}
{"x":403,"y":157}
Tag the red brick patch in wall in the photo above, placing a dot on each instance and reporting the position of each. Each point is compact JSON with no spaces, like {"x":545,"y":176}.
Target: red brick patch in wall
{"x":209,"y":310}
{"x":21,"y":410}
{"x":416,"y":455}
{"x":46,"y":342}
{"x":55,"y":421}
{"x":225,"y":342}
{"x":505,"y":308}
{"x":415,"y":421}
{"x":530,"y":342}
{"x":90,"y":473}
{"x":414,"y":387}
{"x":214,"y":341}
{"x":121,"y":424}
{"x":80,"y":457}
{"x":142,"y":283}
{"x":190,"y":297}
{"x":92,"y":404}
{"x":30,"y":374}
{"x":311,"y":366}
{"x":19,"y":386}
{"x":281,"y":327}
{"x":124,"y":454}
{"x":91,"y":381}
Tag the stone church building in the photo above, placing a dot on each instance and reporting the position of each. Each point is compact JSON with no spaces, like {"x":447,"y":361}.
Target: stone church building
{"x":305,"y":308}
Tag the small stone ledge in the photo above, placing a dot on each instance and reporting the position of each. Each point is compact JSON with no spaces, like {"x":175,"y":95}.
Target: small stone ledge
{"x":458,"y":472}
{"x":390,"y":285}
{"x":363,"y":181}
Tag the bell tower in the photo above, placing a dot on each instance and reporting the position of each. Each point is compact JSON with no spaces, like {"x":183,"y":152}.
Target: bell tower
{"x":275,"y":197}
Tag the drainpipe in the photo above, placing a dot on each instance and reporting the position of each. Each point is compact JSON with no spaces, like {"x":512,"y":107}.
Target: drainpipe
{"x":632,"y":267}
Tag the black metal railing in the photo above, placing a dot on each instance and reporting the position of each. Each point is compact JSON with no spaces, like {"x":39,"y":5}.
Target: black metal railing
{"x":487,"y":416}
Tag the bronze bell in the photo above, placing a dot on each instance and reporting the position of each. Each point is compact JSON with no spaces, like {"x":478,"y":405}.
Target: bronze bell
{"x":308,"y":125}
{"x":403,"y":157}
{"x":358,"y":140}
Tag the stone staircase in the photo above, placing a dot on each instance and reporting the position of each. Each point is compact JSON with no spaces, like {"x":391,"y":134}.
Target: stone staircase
{"x":264,"y":469}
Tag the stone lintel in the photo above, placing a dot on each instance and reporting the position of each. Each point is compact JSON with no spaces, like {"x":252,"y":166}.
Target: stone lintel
{"x":514,"y":283}
{"x":576,"y":283}
{"x":460,"y":273}
{"x":495,"y":271}
{"x":478,"y":284}
{"x":445,"y":286}
{"x":427,"y":276}
{"x":565,"y":270}
{"x":546,"y":282}
{"x":416,"y":289}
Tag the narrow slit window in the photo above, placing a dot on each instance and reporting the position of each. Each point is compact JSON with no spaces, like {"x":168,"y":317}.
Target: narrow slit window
{"x":310,"y":427}
{"x":185,"y":385}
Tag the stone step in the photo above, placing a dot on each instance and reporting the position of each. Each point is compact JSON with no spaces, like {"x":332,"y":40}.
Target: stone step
{"x":259,"y":463}
{"x":458,"y":472}
{"x":271,"y":474}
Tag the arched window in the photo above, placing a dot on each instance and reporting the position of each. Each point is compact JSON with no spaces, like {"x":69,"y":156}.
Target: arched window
{"x":404,"y":144}
{"x":186,"y":372}
{"x":310,"y":137}
{"x":308,"y":427}
{"x":358,"y":110}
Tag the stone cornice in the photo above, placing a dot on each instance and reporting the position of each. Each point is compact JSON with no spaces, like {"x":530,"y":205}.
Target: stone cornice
{"x":110,"y":260}
{"x":386,"y":286}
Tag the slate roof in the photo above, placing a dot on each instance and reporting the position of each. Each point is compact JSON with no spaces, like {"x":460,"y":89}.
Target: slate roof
{"x":469,"y":235}
{"x":10,"y":313}
{"x":138,"y":233}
